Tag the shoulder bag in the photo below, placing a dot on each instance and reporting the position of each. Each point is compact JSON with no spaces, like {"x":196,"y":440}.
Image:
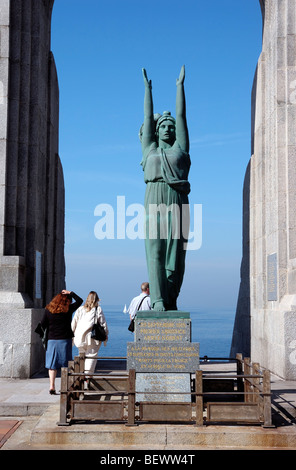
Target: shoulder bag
{"x":98,"y":332}
{"x":131,"y":326}
{"x":43,"y":333}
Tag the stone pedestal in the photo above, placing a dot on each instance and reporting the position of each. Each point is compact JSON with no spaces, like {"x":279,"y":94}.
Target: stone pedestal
{"x":21,"y":351}
{"x":163,"y":356}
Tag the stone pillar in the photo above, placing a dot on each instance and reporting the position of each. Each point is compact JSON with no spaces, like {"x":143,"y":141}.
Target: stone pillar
{"x":272,"y":196}
{"x":32,"y":267}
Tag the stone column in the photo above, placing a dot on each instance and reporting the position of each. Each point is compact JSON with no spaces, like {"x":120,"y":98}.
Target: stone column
{"x":31,"y":182}
{"x":272,"y":195}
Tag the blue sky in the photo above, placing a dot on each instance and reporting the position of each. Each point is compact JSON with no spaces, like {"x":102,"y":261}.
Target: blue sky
{"x":100,"y":48}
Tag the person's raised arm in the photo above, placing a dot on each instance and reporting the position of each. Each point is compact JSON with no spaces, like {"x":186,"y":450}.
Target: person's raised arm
{"x":78,"y":301}
{"x":148,"y":136}
{"x":182,"y":136}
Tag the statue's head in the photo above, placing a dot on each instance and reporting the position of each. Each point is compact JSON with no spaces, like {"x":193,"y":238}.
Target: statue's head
{"x":166,"y":128}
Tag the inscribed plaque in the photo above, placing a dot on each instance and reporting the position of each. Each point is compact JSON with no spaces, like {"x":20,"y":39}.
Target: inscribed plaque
{"x":38,"y":270}
{"x":163,"y":357}
{"x":166,"y":387}
{"x":163,"y":330}
{"x":272,"y":277}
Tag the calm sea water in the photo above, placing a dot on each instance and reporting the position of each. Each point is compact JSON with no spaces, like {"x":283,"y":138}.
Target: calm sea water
{"x":212,"y":329}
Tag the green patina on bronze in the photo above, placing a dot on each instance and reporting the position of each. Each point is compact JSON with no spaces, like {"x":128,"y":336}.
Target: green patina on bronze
{"x":166,"y":164}
{"x":169,"y":314}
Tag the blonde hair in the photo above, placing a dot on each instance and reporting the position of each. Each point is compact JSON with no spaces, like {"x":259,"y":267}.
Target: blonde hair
{"x":91,"y":301}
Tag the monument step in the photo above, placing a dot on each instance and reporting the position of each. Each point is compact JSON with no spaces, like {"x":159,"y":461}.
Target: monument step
{"x":157,"y":436}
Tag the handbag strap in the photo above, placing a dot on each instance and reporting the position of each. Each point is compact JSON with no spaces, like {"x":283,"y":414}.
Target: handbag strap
{"x":96,"y":317}
{"x":141,"y":302}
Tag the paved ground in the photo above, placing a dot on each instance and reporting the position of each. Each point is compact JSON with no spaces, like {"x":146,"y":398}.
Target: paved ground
{"x":28,"y":416}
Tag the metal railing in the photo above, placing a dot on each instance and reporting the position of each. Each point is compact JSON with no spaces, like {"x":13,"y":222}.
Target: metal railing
{"x":216,"y":396}
{"x":248,"y":402}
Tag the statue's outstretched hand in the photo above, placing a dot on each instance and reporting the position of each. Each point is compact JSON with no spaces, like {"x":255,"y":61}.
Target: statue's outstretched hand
{"x":146,"y":81}
{"x":181,"y":78}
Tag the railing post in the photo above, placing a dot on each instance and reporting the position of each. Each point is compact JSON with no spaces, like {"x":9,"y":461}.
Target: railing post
{"x":131,"y":398}
{"x":82,"y":361}
{"x":267,"y":400}
{"x":198,"y":398}
{"x":81,"y":369}
{"x":247,"y":381}
{"x":82,"y":378}
{"x":239,"y":371}
{"x":70,"y":377}
{"x":77,"y":383}
{"x":256,"y":382}
{"x":63,"y":398}
{"x":76,"y":365}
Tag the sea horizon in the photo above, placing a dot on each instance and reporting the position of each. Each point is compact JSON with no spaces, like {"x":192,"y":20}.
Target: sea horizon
{"x":212,"y":328}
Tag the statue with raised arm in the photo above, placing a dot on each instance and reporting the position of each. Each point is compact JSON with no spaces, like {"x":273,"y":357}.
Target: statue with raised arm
{"x":166,"y":164}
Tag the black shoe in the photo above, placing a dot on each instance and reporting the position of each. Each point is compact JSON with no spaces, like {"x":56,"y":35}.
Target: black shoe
{"x":52,"y":392}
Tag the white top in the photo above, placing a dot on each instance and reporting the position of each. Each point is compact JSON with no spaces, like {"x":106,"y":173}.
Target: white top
{"x":83,"y":322}
{"x":134,"y":305}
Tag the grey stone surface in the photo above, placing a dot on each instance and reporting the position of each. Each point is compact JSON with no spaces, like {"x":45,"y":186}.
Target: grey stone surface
{"x":22,"y":399}
{"x":31,"y":180}
{"x":148,"y":384}
{"x":21,"y":351}
{"x":163,"y":357}
{"x":265,"y":318}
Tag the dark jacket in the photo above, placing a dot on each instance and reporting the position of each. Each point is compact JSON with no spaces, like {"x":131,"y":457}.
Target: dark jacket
{"x":59,"y":324}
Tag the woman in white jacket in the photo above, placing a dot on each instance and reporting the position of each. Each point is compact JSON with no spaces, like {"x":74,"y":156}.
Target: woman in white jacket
{"x":82,"y":324}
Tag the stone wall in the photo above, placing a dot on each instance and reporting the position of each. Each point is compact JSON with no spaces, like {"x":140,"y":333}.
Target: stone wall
{"x":271,"y":238}
{"x":32,"y":267}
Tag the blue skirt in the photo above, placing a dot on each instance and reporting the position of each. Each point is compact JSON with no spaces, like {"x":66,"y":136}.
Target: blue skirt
{"x":58,"y":353}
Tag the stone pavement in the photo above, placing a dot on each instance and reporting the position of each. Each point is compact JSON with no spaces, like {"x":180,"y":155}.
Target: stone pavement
{"x":28,"y":404}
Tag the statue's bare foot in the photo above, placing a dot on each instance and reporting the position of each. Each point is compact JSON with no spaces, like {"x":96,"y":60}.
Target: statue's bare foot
{"x":159,"y":307}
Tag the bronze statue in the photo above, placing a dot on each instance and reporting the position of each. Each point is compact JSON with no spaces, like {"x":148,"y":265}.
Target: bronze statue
{"x":166,"y":164}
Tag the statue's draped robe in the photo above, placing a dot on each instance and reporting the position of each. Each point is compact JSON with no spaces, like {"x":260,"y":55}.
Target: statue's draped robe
{"x":166,"y":176}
